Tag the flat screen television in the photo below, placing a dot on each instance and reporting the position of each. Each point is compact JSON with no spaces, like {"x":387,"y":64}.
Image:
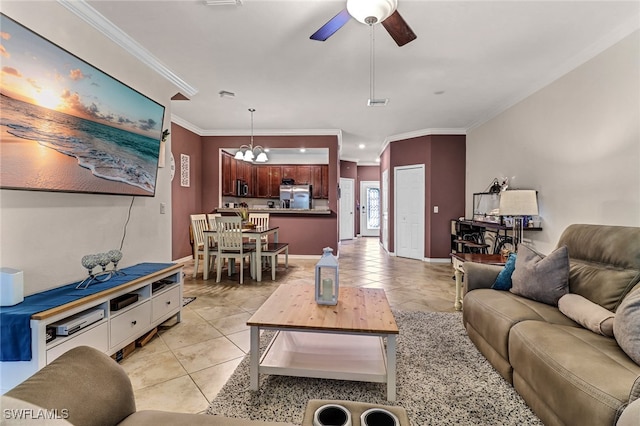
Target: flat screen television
{"x":67,"y":126}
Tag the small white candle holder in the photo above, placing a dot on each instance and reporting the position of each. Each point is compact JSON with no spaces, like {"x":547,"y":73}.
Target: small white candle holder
{"x":327,"y":286}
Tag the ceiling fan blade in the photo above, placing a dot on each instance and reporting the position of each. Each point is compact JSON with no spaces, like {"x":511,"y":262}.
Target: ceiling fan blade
{"x":334,"y":24}
{"x":398,"y":29}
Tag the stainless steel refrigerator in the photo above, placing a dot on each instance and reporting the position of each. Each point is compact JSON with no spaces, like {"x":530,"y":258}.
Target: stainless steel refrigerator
{"x":295,"y":196}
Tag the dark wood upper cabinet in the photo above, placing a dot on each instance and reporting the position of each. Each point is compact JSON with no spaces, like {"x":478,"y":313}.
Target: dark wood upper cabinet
{"x":316,"y":181}
{"x":264,"y":180}
{"x":228,"y":174}
{"x":325,"y":181}
{"x":275,"y":179}
{"x":303,"y":175}
{"x":289,"y":172}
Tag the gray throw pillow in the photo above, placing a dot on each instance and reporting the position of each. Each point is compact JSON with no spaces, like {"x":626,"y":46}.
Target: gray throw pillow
{"x":536,"y":277}
{"x":626,"y":326}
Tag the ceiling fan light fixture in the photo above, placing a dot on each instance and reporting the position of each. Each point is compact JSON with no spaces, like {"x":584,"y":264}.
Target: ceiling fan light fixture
{"x":371,"y":11}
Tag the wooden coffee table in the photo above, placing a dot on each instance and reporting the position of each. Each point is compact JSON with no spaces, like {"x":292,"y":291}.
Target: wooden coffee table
{"x":342,"y":342}
{"x":458,"y":260}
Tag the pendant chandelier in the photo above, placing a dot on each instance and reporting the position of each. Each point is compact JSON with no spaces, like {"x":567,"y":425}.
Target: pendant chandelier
{"x":250,"y":153}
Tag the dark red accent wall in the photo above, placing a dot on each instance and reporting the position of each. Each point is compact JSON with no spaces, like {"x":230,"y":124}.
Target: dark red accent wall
{"x":444,"y":157}
{"x":184,"y":200}
{"x":306,"y":235}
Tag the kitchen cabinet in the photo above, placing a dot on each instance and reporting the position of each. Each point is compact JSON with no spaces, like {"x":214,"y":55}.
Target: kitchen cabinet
{"x":325,"y":182}
{"x":303,"y":175}
{"x":268,"y":179}
{"x":275,"y":179}
{"x":228,"y":174}
{"x":316,"y":181}
{"x":264,"y":180}
{"x":289,"y":172}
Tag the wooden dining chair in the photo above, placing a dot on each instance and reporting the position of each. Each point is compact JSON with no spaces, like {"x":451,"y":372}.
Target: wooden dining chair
{"x":260,"y":220}
{"x":232,"y":247}
{"x":199,"y":224}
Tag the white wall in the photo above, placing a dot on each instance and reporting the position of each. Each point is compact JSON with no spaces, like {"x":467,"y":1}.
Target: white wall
{"x":576,"y":141}
{"x":46,"y":234}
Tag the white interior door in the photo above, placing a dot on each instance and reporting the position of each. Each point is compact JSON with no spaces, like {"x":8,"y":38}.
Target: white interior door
{"x":347,"y":206}
{"x":385,"y":209}
{"x":370,"y":208}
{"x":409,"y":211}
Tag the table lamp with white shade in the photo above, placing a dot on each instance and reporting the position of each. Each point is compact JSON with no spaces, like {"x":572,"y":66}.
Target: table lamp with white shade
{"x":518,"y":203}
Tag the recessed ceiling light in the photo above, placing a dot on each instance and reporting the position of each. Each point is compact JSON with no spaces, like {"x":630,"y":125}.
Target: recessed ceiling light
{"x":361,"y":146}
{"x":302,"y":150}
{"x":378,"y":160}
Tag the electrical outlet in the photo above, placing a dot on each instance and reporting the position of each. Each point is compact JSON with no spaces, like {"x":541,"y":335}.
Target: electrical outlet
{"x":435,"y":209}
{"x":163,"y":208}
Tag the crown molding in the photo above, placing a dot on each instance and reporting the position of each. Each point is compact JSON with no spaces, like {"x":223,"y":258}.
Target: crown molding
{"x":288,"y":132}
{"x":625,"y":29}
{"x":420,"y":133}
{"x":122,"y":39}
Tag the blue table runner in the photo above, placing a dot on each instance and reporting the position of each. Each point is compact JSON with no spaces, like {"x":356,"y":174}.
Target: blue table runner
{"x":15,"y":325}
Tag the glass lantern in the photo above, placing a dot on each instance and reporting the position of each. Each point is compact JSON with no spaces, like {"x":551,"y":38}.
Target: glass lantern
{"x":327,"y":278}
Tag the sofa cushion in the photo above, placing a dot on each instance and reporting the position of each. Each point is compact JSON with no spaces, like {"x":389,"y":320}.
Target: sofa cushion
{"x":626,"y":326}
{"x":541,"y":278}
{"x":588,"y":314}
{"x":492,"y":313}
{"x":583,"y":377}
{"x":503,"y":282}
{"x":604,"y":262}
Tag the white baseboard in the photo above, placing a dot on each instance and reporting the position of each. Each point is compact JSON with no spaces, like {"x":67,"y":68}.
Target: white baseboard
{"x":437,"y":260}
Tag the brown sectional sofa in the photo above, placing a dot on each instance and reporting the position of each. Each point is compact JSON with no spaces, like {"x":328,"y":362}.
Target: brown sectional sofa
{"x":567,"y":374}
{"x":85,"y":387}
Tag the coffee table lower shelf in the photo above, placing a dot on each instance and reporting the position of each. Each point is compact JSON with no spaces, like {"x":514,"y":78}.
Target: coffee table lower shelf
{"x":353,"y":357}
{"x":326,"y":356}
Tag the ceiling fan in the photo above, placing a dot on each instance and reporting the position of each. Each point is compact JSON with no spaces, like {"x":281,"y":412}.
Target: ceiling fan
{"x":370,"y":12}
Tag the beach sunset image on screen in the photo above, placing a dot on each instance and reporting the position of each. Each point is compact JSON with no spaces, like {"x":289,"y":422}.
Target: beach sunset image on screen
{"x":67,"y":126}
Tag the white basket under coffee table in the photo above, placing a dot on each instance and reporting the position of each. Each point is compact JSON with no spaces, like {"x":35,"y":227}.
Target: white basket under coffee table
{"x":343,"y":342}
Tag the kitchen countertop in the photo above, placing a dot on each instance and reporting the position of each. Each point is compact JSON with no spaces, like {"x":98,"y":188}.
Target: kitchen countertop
{"x":277,"y":210}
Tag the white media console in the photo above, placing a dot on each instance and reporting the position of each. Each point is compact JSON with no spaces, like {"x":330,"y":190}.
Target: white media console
{"x":159,"y":297}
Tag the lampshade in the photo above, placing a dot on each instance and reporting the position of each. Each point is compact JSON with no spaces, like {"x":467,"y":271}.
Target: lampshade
{"x":380,"y":10}
{"x":519,"y":203}
{"x":262,"y":158}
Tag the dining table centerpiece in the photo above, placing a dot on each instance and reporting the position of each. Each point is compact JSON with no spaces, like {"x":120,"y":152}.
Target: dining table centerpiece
{"x":243,"y":212}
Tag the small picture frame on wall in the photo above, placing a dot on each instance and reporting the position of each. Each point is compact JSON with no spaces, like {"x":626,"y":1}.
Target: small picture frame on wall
{"x":184,"y":170}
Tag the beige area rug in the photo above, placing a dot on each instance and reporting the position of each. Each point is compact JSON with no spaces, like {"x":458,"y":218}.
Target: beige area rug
{"x":442,"y":379}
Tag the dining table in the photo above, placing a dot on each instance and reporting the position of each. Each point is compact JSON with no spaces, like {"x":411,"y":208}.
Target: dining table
{"x":256,"y":233}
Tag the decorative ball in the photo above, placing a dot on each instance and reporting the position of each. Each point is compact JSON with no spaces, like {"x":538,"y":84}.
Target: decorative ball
{"x":115,"y":256}
{"x":103,"y":259}
{"x":89,"y":261}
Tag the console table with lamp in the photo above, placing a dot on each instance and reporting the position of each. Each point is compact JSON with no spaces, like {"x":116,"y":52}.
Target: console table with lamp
{"x":517,"y":204}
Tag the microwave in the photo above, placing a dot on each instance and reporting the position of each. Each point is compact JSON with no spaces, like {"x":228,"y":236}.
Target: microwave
{"x":242,"y":188}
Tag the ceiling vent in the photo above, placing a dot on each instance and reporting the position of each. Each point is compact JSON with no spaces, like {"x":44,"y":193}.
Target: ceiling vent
{"x":377,"y":102}
{"x":223,"y":2}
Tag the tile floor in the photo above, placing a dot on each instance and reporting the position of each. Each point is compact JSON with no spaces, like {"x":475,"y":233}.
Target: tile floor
{"x":186,"y":364}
